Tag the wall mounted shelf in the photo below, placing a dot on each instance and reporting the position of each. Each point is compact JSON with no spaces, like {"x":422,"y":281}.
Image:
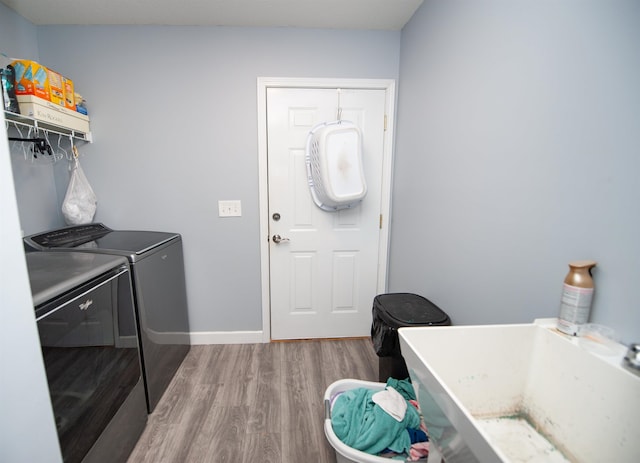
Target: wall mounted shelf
{"x":20,"y":121}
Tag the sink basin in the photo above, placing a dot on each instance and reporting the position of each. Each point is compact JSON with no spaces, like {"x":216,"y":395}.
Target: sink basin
{"x":522,"y":393}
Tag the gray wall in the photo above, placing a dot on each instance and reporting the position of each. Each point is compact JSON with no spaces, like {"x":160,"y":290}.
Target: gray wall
{"x":26,"y":416}
{"x":173,"y":115}
{"x":517,"y":129}
{"x":515,"y":140}
{"x":517,"y":151}
{"x":36,"y":186}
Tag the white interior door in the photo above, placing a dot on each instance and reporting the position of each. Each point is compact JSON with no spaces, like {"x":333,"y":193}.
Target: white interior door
{"x":324,"y":272}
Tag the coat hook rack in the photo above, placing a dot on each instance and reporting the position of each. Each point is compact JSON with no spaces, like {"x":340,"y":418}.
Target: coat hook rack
{"x":40,"y":145}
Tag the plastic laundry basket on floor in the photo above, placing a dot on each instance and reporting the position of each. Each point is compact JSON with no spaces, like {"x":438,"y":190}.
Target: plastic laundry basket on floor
{"x":344,"y":453}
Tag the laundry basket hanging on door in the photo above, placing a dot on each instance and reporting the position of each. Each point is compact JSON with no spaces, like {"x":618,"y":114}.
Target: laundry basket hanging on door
{"x":334,"y":165}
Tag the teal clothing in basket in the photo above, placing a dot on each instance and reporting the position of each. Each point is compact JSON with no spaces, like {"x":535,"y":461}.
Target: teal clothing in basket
{"x":363,"y":425}
{"x":404,"y":387}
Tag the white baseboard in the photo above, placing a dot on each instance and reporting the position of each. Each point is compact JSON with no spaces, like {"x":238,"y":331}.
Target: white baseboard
{"x":227,"y":337}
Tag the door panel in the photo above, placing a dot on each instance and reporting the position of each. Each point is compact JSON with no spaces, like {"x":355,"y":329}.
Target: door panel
{"x":324,"y":277}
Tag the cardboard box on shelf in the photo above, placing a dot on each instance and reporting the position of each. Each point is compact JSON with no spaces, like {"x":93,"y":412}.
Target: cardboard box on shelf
{"x":8,"y":78}
{"x":81,"y":104}
{"x":46,"y":111}
{"x":69,"y":94}
{"x":56,"y":87}
{"x":31,"y":78}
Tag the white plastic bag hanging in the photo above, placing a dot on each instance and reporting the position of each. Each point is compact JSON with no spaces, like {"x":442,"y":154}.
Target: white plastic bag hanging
{"x":80,"y":202}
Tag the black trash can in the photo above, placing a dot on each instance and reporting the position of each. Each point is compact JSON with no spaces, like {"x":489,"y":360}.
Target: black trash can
{"x":397,"y":310}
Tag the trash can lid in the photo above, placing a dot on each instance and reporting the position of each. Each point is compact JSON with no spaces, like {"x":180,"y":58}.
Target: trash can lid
{"x":407,"y":309}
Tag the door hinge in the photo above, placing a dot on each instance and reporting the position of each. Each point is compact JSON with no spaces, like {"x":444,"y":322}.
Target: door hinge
{"x":380,"y":221}
{"x":385,"y":122}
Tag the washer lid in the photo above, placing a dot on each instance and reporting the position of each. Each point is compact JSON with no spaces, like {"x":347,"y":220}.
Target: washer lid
{"x":129,"y":241}
{"x":99,"y":238}
{"x":68,"y":237}
{"x":52,"y":274}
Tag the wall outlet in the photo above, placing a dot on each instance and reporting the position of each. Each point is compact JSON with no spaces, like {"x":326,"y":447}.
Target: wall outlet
{"x":230,"y":208}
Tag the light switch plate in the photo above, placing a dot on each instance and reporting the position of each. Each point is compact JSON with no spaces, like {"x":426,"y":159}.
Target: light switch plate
{"x":230,"y":208}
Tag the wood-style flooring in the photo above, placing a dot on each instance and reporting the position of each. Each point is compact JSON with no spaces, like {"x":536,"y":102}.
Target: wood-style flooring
{"x":248,"y":403}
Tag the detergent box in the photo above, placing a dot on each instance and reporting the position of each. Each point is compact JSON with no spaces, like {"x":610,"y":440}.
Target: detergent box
{"x":69,"y":94}
{"x":56,"y":87}
{"x":31,"y":79}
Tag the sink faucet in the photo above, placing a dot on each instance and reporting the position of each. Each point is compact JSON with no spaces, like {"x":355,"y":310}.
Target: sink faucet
{"x":632,"y":358}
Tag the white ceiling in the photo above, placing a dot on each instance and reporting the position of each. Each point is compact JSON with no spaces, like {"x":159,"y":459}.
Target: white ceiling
{"x":332,"y":14}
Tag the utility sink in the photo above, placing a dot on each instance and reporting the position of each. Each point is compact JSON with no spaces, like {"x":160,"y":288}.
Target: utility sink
{"x":522,"y":393}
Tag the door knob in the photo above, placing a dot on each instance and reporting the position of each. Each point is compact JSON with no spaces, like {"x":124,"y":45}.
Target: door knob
{"x":277,"y":239}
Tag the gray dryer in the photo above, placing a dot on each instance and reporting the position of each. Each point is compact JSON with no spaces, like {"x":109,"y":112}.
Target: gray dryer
{"x":157,"y":269}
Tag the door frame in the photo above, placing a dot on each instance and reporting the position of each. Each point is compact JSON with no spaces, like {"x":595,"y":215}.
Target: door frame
{"x":389,"y":86}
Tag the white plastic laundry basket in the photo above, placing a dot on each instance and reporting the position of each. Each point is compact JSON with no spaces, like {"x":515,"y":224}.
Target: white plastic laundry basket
{"x":334,"y":165}
{"x":344,"y":453}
